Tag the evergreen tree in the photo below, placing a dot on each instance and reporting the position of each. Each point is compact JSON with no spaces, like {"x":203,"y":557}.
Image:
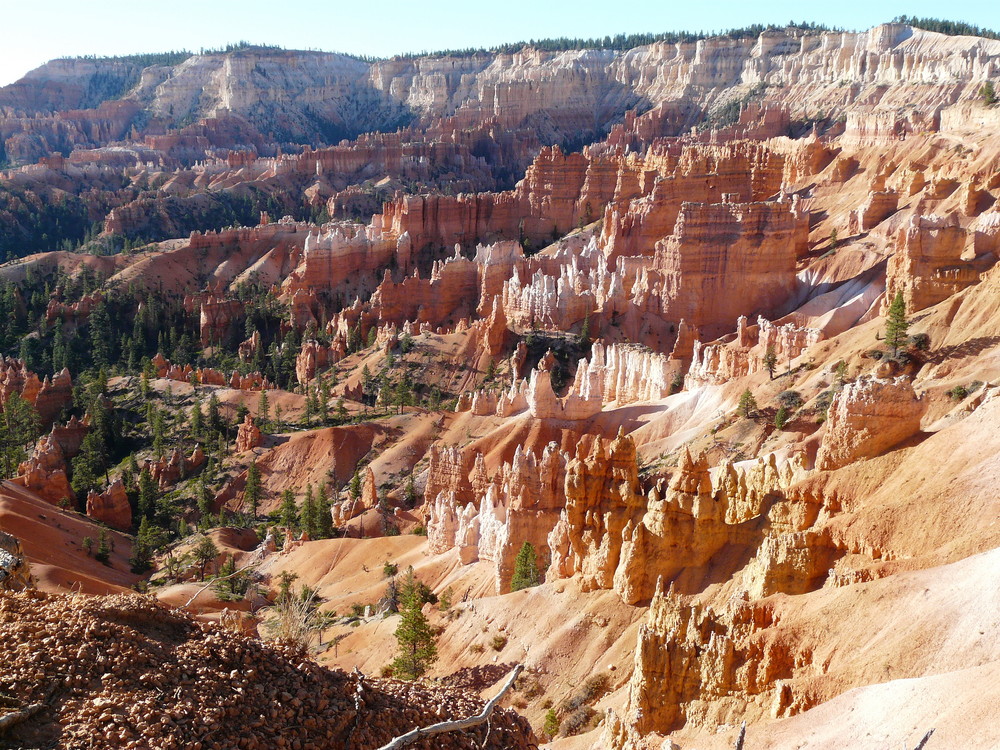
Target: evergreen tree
{"x":213,"y":418}
{"x":18,"y":430}
{"x":355,"y":487}
{"x":417,"y":647}
{"x":781,"y":418}
{"x":324,"y":399}
{"x":90,"y":464}
{"x":142,"y":554}
{"x":252,"y":491}
{"x":551,"y":726}
{"x":748,"y":404}
{"x":148,"y":493}
{"x":324,"y":514}
{"x":159,"y":433}
{"x":896,"y":324}
{"x":197,"y":419}
{"x":263,"y":410}
{"x":308,"y":518}
{"x":770,"y":360}
{"x":989,"y":94}
{"x":205,"y":553}
{"x":103,"y":553}
{"x":204,"y":499}
{"x":288,"y":513}
{"x":585,"y":331}
{"x":311,"y":406}
{"x":100,"y":335}
{"x":525,"y":569}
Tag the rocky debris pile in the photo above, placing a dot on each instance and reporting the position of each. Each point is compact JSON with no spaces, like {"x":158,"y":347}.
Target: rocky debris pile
{"x":124,"y":672}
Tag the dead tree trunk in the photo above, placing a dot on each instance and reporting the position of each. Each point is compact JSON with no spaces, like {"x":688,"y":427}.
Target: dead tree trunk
{"x":453,"y":726}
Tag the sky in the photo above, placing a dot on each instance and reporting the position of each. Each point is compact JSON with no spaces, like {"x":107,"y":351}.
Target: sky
{"x":32,"y":32}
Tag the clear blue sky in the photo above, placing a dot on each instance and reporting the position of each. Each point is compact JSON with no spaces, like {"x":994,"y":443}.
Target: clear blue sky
{"x":34,"y":31}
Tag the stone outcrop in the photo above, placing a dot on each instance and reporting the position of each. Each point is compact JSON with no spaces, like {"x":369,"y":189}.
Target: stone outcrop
{"x":735,"y":357}
{"x":313,"y":357}
{"x":676,"y":530}
{"x":111,"y":506}
{"x":48,"y":396}
{"x":168,"y":471}
{"x":879,"y":205}
{"x":45,"y":472}
{"x":927,"y":266}
{"x":866,"y":418}
{"x":254,"y":381}
{"x":520,"y":503}
{"x":603,"y":499}
{"x":218,"y":319}
{"x":15,"y":574}
{"x":248,"y":435}
{"x":729,"y":259}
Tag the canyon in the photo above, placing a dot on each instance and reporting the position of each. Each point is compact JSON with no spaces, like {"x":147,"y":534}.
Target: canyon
{"x":617,"y":376}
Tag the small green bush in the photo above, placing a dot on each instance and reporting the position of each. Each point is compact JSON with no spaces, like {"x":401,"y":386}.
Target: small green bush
{"x":790,"y":399}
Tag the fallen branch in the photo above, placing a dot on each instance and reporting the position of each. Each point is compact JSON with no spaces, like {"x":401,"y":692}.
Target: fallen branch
{"x":920,"y":745}
{"x":452,"y":726}
{"x":742,"y":738}
{"x":14,"y":718}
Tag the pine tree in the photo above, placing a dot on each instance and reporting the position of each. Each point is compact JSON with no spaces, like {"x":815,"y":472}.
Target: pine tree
{"x":525,"y":569}
{"x":770,"y":360}
{"x":142,"y":555}
{"x":410,"y":492}
{"x":213,"y":418}
{"x":159,"y":433}
{"x":989,"y":94}
{"x":103,"y":553}
{"x":355,"y":487}
{"x":896,"y":324}
{"x":551,"y":726}
{"x":308,"y":518}
{"x":781,"y":418}
{"x":288,"y":513}
{"x":205,"y":553}
{"x":748,"y":404}
{"x":18,"y":430}
{"x":324,"y":517}
{"x":197,"y":419}
{"x":148,"y":493}
{"x":324,"y":399}
{"x":252,"y":492}
{"x":417,"y":647}
{"x":100,"y":334}
{"x":263,"y":410}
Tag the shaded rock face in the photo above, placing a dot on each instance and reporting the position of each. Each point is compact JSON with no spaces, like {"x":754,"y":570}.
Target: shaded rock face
{"x":866,"y":418}
{"x":111,"y":506}
{"x":46,"y":470}
{"x":48,"y":396}
{"x":15,"y":574}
